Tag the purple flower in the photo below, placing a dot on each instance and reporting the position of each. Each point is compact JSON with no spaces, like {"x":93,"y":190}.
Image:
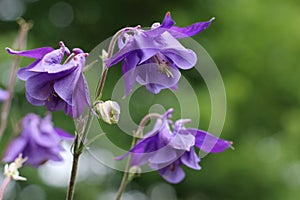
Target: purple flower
{"x":39,"y":140}
{"x":3,"y":95}
{"x":52,"y":84}
{"x":167,"y":150}
{"x":153,"y":57}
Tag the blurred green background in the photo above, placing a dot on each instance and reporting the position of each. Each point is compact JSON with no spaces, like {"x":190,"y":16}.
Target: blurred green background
{"x":256,"y":46}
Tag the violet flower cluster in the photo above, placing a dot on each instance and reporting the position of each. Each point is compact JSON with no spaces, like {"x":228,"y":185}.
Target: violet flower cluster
{"x":153,"y":57}
{"x":52,"y":84}
{"x":166,"y":150}
{"x":39,"y":141}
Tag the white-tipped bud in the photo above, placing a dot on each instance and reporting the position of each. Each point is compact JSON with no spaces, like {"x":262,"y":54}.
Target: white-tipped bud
{"x":108,"y":111}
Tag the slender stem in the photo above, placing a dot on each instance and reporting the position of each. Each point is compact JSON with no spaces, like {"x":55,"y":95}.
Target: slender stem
{"x":4,"y":186}
{"x":81,"y":136}
{"x":136,"y":136}
{"x":110,"y":52}
{"x":20,"y":45}
{"x":126,"y":173}
{"x":76,"y":155}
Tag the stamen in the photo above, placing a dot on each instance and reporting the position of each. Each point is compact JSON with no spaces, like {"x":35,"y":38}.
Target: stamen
{"x":163,"y":66}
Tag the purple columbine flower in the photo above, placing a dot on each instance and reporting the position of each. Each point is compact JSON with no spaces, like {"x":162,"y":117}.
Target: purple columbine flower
{"x":3,"y":95}
{"x":153,"y":57}
{"x":39,"y":141}
{"x":167,"y":150}
{"x":52,"y":84}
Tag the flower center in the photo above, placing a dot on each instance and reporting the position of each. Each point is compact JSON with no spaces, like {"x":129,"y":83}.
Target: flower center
{"x":163,"y":65}
{"x":53,"y":94}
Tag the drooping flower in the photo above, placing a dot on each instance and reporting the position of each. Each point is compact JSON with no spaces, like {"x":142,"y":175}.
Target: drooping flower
{"x":167,"y":150}
{"x":153,"y":57}
{"x":3,"y":95}
{"x":108,"y":111}
{"x":39,"y":141}
{"x":52,"y":84}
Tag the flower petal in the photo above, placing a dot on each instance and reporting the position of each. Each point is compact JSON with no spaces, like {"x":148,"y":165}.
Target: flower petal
{"x":34,"y":53}
{"x":182,"y":141}
{"x":183,"y":59}
{"x":209,"y":143}
{"x":189,"y":31}
{"x":63,"y":134}
{"x":55,"y":103}
{"x":129,"y":72}
{"x":163,"y":155}
{"x":65,"y":87}
{"x":40,"y":86}
{"x":14,"y":149}
{"x":191,"y":159}
{"x":81,"y":97}
{"x":24,"y":72}
{"x":34,"y":101}
{"x":149,"y":75}
{"x":165,"y":26}
{"x":3,"y":95}
{"x":172,"y":173}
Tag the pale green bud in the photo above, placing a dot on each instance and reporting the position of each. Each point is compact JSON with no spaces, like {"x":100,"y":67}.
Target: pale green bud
{"x":108,"y":111}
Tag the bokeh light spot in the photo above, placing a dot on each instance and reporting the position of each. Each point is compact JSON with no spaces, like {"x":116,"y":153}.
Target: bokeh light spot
{"x":61,"y":14}
{"x":11,"y":9}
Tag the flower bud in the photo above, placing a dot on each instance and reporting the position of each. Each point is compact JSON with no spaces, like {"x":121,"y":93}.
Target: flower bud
{"x":134,"y":171}
{"x":108,"y":111}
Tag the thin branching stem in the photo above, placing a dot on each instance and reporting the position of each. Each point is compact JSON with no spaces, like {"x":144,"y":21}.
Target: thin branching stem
{"x":80,"y":138}
{"x":136,"y":136}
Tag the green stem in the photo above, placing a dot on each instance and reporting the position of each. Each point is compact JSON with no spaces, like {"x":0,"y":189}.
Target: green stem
{"x":81,"y":135}
{"x":20,"y":45}
{"x":136,"y":136}
{"x":76,"y":154}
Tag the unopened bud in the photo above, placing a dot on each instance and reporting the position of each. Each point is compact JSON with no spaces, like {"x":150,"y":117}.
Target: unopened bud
{"x":108,"y":111}
{"x":134,"y":171}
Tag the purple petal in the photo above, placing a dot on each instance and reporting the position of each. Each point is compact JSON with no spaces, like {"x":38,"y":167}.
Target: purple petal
{"x":40,"y":131}
{"x":34,"y":53}
{"x":165,"y":26}
{"x":209,"y":143}
{"x":183,"y":59}
{"x":191,"y":159}
{"x":146,"y":145}
{"x":149,"y":74}
{"x":172,"y":173}
{"x":14,"y":149}
{"x":129,"y":72}
{"x":3,"y":95}
{"x":121,"y":54}
{"x":24,"y":72}
{"x":164,"y":155}
{"x":55,"y":103}
{"x":40,"y":86}
{"x":63,"y":134}
{"x":52,"y":59}
{"x":81,"y":97}
{"x":65,"y":87}
{"x":34,"y":101}
{"x":182,"y":141}
{"x":189,"y":31}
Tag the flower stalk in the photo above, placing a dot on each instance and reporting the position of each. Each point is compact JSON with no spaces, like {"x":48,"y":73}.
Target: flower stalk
{"x":20,"y":44}
{"x":136,"y":135}
{"x":79,"y":144}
